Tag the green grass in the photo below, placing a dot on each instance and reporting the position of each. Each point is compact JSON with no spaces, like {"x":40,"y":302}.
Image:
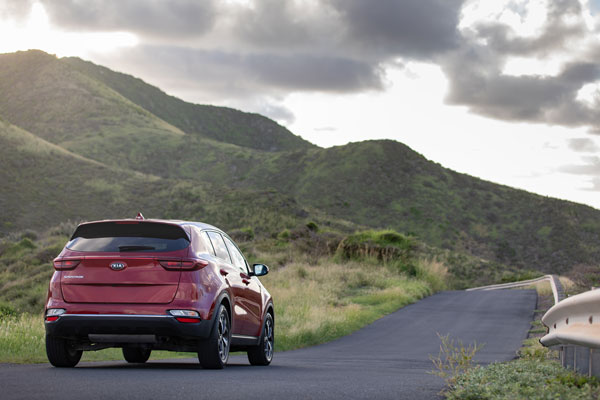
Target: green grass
{"x":22,"y":341}
{"x":535,"y":375}
{"x":523,"y":379}
{"x":317,"y":297}
{"x":318,"y":303}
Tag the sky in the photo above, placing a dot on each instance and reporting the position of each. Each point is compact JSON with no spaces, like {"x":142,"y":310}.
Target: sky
{"x":504,"y":90}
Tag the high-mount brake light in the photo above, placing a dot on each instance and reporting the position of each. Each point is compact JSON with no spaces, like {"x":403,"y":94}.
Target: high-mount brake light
{"x":183,"y":264}
{"x":65,"y":264}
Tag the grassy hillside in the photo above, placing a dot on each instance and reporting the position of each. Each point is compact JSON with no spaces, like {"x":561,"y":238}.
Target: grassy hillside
{"x":43,"y":185}
{"x":219,"y":123}
{"x":386,"y":184}
{"x":224,"y":166}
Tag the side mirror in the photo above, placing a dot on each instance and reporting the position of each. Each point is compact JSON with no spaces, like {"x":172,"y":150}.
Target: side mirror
{"x":259,"y":269}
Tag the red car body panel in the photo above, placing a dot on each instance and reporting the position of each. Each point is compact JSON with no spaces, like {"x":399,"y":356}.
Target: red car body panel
{"x":145,"y":288}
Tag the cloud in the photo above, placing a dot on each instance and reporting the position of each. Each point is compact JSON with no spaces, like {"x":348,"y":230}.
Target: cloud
{"x":244,"y":75}
{"x":590,"y":167}
{"x":285,"y":26}
{"x":420,"y":29}
{"x":225,"y":51}
{"x":15,"y":9}
{"x":563,"y":23}
{"x":280,"y":114}
{"x":583,"y":145}
{"x":477,"y":80}
{"x":153,"y":18}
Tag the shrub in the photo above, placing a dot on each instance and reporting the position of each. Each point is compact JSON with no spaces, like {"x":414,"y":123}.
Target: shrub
{"x":523,"y":379}
{"x":454,"y":358}
{"x":383,"y":245}
{"x":242,"y":235}
{"x":312,"y":226}
{"x":6,"y":312}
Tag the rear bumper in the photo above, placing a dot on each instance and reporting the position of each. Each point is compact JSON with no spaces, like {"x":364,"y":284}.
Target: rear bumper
{"x":79,"y":326}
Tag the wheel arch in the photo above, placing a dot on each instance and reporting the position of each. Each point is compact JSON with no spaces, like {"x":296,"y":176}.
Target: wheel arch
{"x":269,"y":309}
{"x":226,"y":301}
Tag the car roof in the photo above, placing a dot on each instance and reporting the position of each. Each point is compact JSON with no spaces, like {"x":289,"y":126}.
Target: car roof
{"x":181,"y":223}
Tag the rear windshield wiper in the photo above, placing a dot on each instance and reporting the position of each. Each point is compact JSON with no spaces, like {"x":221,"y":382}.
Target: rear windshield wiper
{"x":134,"y":248}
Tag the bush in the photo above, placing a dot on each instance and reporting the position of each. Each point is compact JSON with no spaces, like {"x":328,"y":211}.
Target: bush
{"x":312,"y":226}
{"x":383,"y":245}
{"x":242,"y":235}
{"x":29,"y":235}
{"x":6,"y":312}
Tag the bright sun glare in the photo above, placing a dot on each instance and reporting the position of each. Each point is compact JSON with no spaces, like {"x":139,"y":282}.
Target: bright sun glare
{"x":37,"y":33}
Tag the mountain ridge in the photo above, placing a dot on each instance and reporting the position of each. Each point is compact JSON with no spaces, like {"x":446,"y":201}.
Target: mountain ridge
{"x":377,"y":184}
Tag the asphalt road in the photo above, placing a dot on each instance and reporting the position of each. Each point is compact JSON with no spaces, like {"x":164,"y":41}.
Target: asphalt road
{"x":388,"y":359}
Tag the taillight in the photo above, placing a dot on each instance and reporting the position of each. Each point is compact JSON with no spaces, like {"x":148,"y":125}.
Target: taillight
{"x":65,"y":264}
{"x":167,"y":264}
{"x":183,"y":264}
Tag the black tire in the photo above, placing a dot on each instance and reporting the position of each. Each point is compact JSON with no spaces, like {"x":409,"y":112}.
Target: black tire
{"x":61,"y":353}
{"x":136,"y":354}
{"x":214,"y":352}
{"x":263,"y":353}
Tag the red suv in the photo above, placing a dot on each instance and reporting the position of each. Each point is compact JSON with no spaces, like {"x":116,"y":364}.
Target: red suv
{"x":145,"y":285}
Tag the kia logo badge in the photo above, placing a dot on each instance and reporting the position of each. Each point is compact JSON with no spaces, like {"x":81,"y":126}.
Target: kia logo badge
{"x":117,"y":266}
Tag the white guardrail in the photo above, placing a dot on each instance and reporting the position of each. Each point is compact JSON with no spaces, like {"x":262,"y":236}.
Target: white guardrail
{"x":573,"y":325}
{"x":554,"y":283}
{"x":575,"y":320}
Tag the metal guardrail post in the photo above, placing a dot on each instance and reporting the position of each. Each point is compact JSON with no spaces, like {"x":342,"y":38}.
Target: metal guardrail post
{"x":591,"y":363}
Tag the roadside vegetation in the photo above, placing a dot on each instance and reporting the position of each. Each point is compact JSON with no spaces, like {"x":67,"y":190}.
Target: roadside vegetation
{"x":536,"y":373}
{"x":328,"y":279}
{"x":326,"y":285}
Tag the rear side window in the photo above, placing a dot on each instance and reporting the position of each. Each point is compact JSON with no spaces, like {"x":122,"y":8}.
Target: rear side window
{"x":219,"y":246}
{"x":128,"y":236}
{"x":238,"y":258}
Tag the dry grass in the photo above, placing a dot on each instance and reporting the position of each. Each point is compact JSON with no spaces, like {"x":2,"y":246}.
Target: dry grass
{"x":545,"y":289}
{"x":317,"y":303}
{"x":313,"y":304}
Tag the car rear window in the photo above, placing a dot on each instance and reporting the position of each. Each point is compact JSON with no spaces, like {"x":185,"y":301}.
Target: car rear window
{"x":128,"y":236}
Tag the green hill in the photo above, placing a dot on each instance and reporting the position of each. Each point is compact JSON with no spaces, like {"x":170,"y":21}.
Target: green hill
{"x":43,"y":185}
{"x":385,"y":184}
{"x":220,"y":123}
{"x":140,"y":146}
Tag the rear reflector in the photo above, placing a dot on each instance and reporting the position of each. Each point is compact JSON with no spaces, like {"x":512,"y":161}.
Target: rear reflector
{"x":52,"y":314}
{"x":187,"y":320}
{"x":65,"y":264}
{"x":185,"y":316}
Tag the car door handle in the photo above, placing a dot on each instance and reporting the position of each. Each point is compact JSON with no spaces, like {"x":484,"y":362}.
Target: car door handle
{"x":223,"y":272}
{"x":246,"y":281}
